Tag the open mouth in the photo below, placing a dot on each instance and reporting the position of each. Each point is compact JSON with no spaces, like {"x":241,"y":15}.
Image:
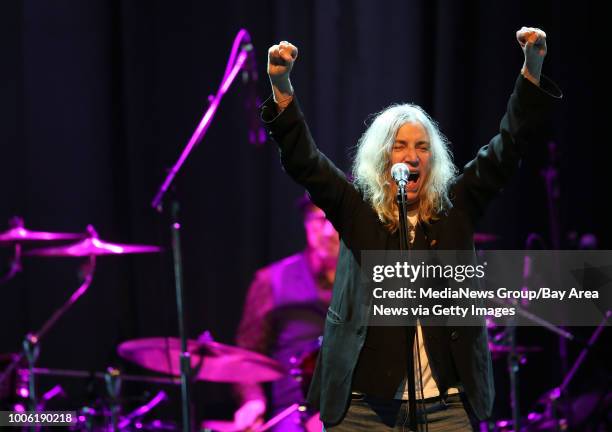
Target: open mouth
{"x":413,"y":180}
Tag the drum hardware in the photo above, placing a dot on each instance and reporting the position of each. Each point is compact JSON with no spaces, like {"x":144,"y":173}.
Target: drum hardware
{"x":514,"y":356}
{"x":15,"y":391}
{"x":105,"y":415}
{"x":90,"y":247}
{"x":112,"y":380}
{"x":230,"y":426}
{"x":17,"y":235}
{"x":100,"y":419}
{"x":302,"y":370}
{"x":280,"y":416}
{"x":552,"y":397}
{"x":210,"y":360}
{"x":22,"y":393}
{"x":143,"y":410}
{"x":31,"y":341}
{"x":242,"y":49}
{"x":101,"y":375}
{"x":549,"y":419}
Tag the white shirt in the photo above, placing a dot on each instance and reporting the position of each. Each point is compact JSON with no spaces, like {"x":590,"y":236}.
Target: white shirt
{"x":430,"y":389}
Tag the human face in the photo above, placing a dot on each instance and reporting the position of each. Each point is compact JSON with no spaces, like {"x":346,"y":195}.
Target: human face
{"x":321,"y":236}
{"x":412,"y":147}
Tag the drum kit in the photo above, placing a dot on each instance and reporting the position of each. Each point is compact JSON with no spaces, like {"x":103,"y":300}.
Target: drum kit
{"x":555,"y":410}
{"x":210,"y":360}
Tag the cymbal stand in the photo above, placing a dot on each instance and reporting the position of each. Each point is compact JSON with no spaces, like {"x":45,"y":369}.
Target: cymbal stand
{"x":556,"y":393}
{"x":510,"y":337}
{"x":513,"y":356}
{"x":551,"y":181}
{"x":31,"y":343}
{"x":142,"y":410}
{"x":277,"y":418}
{"x":112,"y":379}
{"x":15,"y":266}
{"x":241,"y":51}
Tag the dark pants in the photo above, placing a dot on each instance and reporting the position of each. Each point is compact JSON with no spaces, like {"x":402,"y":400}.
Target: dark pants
{"x":448,"y":414}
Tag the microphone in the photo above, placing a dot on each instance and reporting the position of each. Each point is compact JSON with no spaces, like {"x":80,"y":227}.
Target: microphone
{"x":249,"y":72}
{"x":257,"y":134}
{"x":400,"y":173}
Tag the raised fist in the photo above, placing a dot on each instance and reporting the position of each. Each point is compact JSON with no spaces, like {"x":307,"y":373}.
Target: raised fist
{"x":280,"y":61}
{"x":533,"y":43}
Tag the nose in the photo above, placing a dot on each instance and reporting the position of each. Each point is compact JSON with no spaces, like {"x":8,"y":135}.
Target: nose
{"x":411,"y":158}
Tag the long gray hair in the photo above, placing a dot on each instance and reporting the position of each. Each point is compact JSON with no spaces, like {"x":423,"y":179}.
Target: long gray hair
{"x":372,"y":165}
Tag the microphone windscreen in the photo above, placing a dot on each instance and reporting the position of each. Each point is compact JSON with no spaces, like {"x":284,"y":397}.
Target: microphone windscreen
{"x":400,"y":172}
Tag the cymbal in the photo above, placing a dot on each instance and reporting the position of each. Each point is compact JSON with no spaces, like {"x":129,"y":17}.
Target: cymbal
{"x":216,"y":362}
{"x":19,"y":234}
{"x":485,"y":237}
{"x":93,"y":246}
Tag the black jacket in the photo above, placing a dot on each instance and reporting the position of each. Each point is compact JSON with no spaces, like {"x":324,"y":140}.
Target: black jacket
{"x":454,"y":352}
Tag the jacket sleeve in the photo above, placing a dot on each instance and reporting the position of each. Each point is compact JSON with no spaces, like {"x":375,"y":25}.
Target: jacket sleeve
{"x":328,"y":187}
{"x":487,"y":174}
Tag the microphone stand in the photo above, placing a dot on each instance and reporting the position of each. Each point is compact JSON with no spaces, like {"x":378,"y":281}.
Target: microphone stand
{"x":241,"y":49}
{"x":402,"y":203}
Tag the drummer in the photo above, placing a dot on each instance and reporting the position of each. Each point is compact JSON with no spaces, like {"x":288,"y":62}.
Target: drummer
{"x":283,"y":317}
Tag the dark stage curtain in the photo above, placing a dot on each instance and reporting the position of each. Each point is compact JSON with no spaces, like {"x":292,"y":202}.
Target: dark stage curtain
{"x":98,"y":97}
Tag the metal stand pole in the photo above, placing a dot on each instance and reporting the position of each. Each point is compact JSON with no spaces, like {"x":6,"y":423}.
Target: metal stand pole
{"x":403,"y":215}
{"x":241,"y":49}
{"x":112,"y":378}
{"x":31,"y":342}
{"x":551,"y":180}
{"x":185,"y":362}
{"x":513,"y":368}
{"x":402,"y":204}
{"x":15,"y":266}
